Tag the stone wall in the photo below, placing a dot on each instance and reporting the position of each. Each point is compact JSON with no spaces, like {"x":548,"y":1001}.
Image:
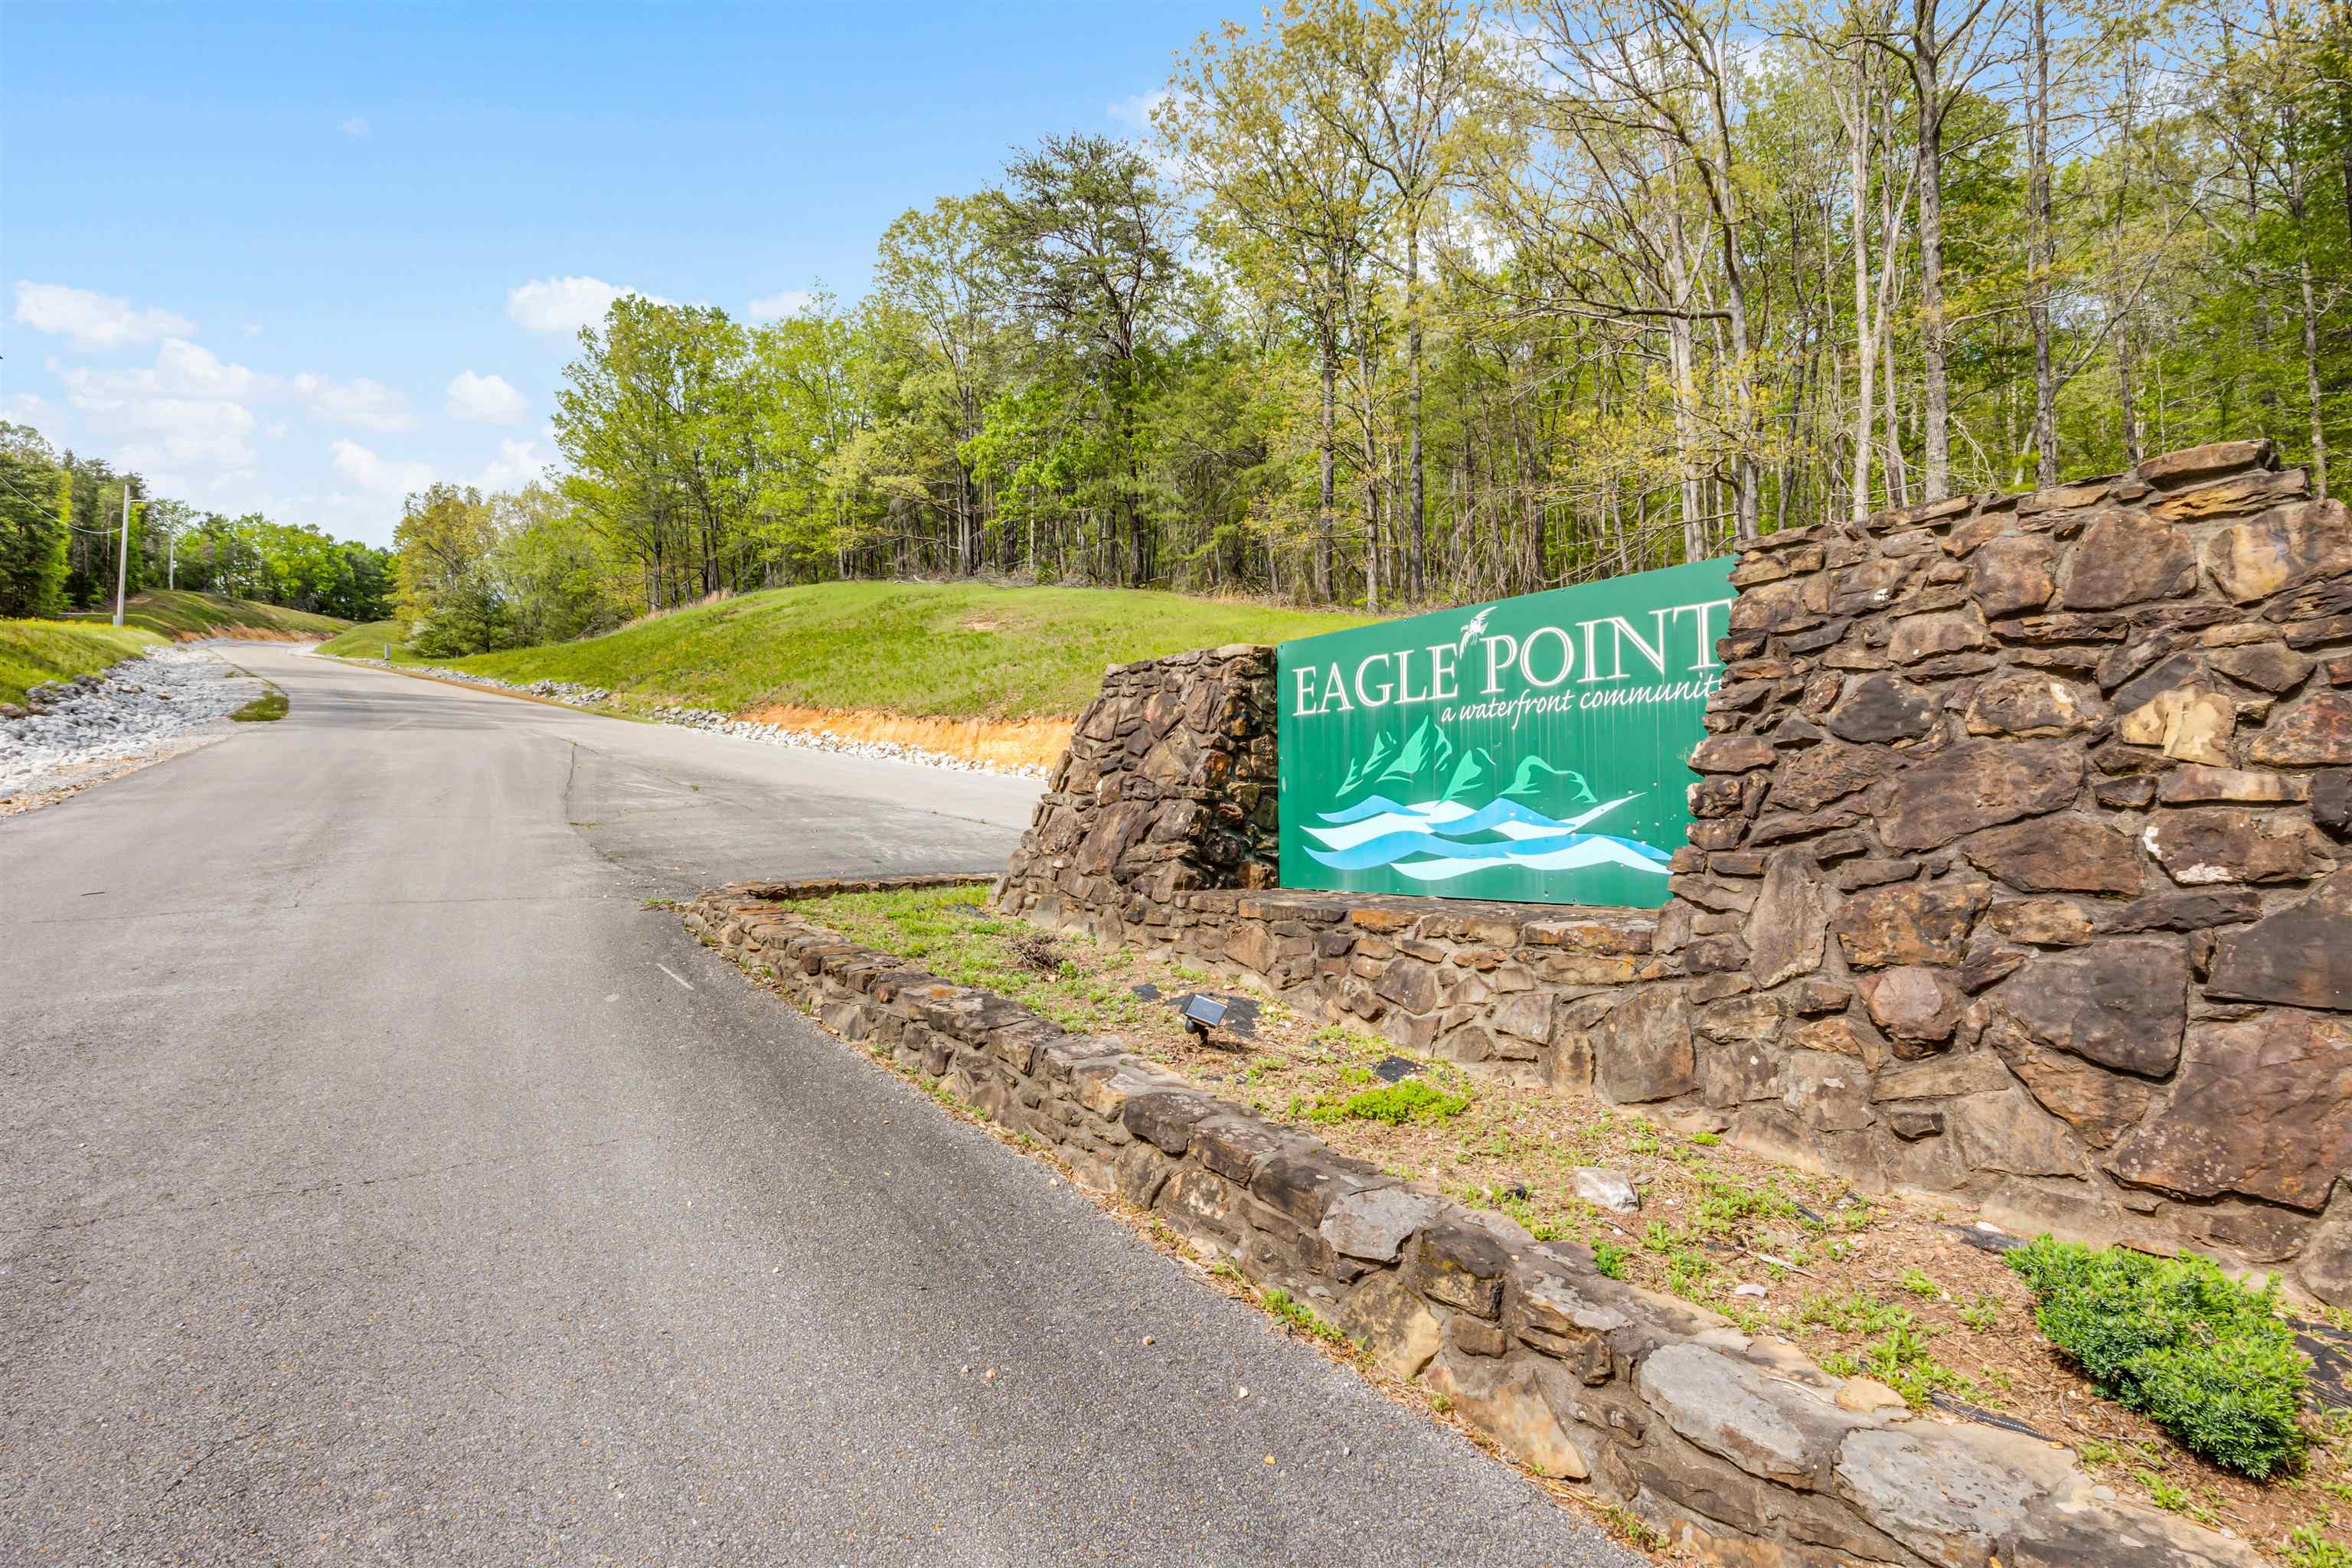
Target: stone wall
{"x":1742,"y":1449}
{"x":1168,"y":786}
{"x":2019,"y":870}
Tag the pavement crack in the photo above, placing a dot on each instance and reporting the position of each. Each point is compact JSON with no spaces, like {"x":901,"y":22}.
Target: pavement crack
{"x":195,"y":1464}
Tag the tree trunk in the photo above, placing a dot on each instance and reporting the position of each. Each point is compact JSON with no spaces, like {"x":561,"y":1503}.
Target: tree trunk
{"x":1323,"y":500}
{"x":1865,"y":346}
{"x":1417,"y":479}
{"x":1936,"y":404}
{"x":2038,"y":257}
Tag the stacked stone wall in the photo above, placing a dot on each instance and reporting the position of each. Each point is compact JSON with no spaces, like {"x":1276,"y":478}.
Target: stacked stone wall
{"x":1168,"y":786}
{"x":1738,"y":1446}
{"x":2020,"y":865}
{"x":2018,"y":870}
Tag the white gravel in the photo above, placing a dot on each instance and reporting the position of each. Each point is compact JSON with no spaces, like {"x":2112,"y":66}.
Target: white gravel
{"x":137,"y":712}
{"x":719,"y":723}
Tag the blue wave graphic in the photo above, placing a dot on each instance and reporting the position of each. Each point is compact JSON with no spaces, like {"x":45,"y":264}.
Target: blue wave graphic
{"x":1371,"y":805}
{"x":1390,"y":847}
{"x":1428,"y":847}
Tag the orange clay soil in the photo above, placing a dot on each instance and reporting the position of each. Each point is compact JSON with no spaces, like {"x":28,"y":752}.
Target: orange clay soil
{"x":1017,"y":742}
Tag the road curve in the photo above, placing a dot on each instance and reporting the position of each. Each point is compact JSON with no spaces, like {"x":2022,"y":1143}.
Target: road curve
{"x":381,"y":1181}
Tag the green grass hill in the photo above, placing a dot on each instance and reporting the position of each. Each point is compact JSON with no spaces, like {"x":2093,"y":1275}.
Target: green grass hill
{"x":185,"y":614}
{"x":34,"y":652}
{"x":950,"y":650}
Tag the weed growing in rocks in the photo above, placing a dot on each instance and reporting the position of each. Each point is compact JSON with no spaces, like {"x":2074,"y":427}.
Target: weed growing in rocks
{"x":1298,"y":1315}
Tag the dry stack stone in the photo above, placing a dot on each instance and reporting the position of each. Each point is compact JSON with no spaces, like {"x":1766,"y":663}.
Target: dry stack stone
{"x":1168,"y":786}
{"x":1741,"y":1449}
{"x":2018,"y":870}
{"x":2036,"y":806}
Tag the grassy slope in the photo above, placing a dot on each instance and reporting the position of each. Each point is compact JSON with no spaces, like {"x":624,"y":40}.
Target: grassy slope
{"x":181,"y":613}
{"x":954,"y":651}
{"x":366,"y":639}
{"x":32,"y":652}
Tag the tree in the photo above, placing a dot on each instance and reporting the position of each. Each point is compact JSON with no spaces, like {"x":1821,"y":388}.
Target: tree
{"x":1082,"y":246}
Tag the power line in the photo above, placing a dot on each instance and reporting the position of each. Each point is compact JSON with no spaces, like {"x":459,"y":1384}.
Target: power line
{"x":35,"y":503}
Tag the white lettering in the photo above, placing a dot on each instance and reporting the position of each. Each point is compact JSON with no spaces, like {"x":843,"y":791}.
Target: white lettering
{"x":1526,"y":658}
{"x":1440,"y":671}
{"x":1335,"y":691}
{"x":1405,"y":699}
{"x":1366,"y":698}
{"x":1501,"y":649}
{"x":1703,"y":655}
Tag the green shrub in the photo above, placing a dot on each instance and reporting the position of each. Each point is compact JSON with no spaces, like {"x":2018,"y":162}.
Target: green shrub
{"x":2207,"y":1358}
{"x":1411,"y":1100}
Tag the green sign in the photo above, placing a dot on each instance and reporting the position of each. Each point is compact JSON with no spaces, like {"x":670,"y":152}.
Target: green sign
{"x":1535,"y":749}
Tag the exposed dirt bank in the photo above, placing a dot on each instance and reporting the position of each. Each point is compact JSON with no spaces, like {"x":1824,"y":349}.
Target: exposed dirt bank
{"x":1018,"y":743}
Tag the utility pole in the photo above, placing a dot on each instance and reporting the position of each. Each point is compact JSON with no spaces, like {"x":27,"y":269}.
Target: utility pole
{"x":122,"y":557}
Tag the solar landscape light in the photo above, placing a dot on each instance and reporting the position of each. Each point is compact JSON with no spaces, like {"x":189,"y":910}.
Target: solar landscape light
{"x":1203,"y":1014}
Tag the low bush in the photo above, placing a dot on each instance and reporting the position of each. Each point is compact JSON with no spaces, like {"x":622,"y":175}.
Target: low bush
{"x":1411,"y":1100}
{"x":2208,"y":1360}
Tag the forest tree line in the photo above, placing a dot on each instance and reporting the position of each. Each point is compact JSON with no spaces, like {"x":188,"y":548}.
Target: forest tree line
{"x":61,"y":528}
{"x":1415,"y":301}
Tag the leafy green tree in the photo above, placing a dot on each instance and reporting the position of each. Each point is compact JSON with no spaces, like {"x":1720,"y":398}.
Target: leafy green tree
{"x":1082,"y":244}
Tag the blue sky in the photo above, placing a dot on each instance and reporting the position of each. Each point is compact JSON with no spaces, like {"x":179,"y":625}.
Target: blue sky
{"x":300,"y":258}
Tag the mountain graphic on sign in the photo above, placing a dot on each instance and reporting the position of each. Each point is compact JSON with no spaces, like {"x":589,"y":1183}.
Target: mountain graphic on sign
{"x":1422,"y":765}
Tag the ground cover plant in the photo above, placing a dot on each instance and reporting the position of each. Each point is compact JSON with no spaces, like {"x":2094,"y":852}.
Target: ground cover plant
{"x":1908,"y":1293}
{"x":960,"y":650}
{"x":2207,"y":1359}
{"x":33,"y":653}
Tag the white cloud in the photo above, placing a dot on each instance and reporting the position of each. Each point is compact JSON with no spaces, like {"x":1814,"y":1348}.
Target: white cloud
{"x":566,"y":304}
{"x":517,"y":463}
{"x":1136,"y":110}
{"x":209,"y":431}
{"x":484,"y":399}
{"x":370,"y":404}
{"x":379,"y":476}
{"x":93,"y":321}
{"x":31,"y":408}
{"x":355,"y":126}
{"x":190,"y":404}
{"x":182,"y":369}
{"x":777,"y":306}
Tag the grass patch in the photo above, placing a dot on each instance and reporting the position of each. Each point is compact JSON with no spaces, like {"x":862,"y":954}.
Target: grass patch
{"x":1396,"y":1103}
{"x":178,"y":613}
{"x":1302,"y":1317}
{"x":266,"y":709}
{"x":950,"y":650}
{"x":34,"y":653}
{"x":368,"y":640}
{"x":2175,"y":1338}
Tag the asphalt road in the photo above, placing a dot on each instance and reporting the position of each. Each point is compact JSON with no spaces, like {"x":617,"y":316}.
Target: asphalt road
{"x":381,"y":1181}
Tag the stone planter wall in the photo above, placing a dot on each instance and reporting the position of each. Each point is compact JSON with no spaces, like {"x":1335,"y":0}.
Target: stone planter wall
{"x":2020,"y":870}
{"x":1741,"y":1447}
